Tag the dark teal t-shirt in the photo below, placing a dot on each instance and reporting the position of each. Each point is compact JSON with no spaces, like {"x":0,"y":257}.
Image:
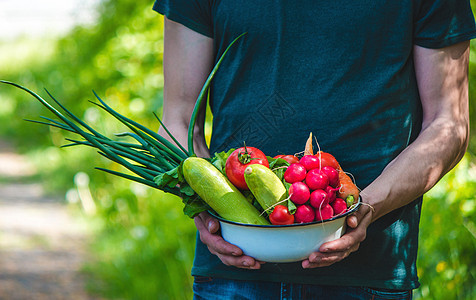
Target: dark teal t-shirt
{"x":342,"y":70}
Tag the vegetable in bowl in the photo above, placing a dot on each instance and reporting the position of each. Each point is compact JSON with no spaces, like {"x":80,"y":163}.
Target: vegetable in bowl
{"x":285,"y":242}
{"x":242,"y":185}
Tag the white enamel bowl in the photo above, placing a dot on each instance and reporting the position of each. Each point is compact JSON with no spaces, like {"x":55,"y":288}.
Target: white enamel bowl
{"x":283,"y":243}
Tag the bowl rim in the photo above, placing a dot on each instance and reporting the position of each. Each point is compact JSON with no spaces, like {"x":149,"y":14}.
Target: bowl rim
{"x":354,"y":209}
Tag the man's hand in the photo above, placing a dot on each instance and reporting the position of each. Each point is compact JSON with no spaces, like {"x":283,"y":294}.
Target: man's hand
{"x":442,"y":77}
{"x":229,"y":254}
{"x":335,"y":251}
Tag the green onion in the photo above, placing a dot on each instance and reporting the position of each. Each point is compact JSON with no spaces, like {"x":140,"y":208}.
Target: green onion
{"x":202,"y":96}
{"x":152,"y":159}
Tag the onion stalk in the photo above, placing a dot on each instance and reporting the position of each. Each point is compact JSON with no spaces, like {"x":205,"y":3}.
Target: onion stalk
{"x":154,"y":160}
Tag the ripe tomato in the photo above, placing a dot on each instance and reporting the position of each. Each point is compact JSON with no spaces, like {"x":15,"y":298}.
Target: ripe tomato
{"x":327,"y":160}
{"x":238,"y":161}
{"x":281,"y":216}
{"x":291,"y":159}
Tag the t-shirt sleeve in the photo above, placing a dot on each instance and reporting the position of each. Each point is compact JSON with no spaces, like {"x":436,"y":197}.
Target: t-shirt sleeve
{"x":441,"y":23}
{"x":194,"y":14}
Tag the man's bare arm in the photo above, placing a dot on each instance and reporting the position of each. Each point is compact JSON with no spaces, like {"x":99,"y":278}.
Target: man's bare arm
{"x":188,"y":60}
{"x":442,"y":76}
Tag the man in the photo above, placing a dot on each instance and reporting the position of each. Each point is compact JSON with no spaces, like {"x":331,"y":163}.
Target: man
{"x":383,"y":87}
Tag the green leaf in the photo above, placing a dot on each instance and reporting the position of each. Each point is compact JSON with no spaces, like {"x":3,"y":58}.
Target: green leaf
{"x":276,"y":162}
{"x":278,"y":166}
{"x":193,"y":205}
{"x":186,"y":189}
{"x":287,"y":185}
{"x":169,"y":178}
{"x":219,"y":160}
{"x":291,"y":207}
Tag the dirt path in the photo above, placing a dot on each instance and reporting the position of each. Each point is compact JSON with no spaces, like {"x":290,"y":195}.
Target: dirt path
{"x":41,"y":243}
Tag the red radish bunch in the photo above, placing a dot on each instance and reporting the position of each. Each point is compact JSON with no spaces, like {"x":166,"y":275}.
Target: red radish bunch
{"x":314,"y":186}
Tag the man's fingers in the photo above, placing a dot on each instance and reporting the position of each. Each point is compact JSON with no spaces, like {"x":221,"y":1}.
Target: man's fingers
{"x":218,"y":246}
{"x":211,"y":224}
{"x":245,"y":262}
{"x":356,"y":218}
{"x":335,"y":251}
{"x":319,"y":259}
{"x":352,"y":221}
{"x":215,"y":243}
{"x":347,"y":242}
{"x":229,"y":254}
{"x":332,"y":256}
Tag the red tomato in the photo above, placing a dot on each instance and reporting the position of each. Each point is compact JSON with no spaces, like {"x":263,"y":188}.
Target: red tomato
{"x":238,"y":161}
{"x":327,"y":160}
{"x":291,"y":159}
{"x":281,"y":216}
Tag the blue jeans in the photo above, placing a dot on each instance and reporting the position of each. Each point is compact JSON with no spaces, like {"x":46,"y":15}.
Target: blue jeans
{"x":208,"y":288}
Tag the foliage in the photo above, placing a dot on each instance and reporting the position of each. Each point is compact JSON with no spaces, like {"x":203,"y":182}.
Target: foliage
{"x":145,"y":249}
{"x":446,"y":263}
{"x":119,"y":57}
{"x":144,"y":246}
{"x":472,"y":93}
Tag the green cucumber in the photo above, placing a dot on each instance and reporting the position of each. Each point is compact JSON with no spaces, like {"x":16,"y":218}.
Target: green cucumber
{"x":265,"y":186}
{"x":218,"y":192}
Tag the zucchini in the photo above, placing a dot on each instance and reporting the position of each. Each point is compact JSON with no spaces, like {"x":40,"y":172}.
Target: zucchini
{"x":265,"y":186}
{"x":218,"y":192}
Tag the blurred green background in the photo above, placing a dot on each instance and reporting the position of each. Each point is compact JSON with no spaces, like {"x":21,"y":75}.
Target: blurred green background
{"x":143,"y":245}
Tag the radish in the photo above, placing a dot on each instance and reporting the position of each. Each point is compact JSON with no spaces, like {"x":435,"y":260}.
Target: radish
{"x":294,"y":173}
{"x":331,"y":193}
{"x":316,"y":179}
{"x":319,"y":198}
{"x":304,"y":214}
{"x":310,"y":162}
{"x":324,"y":213}
{"x":333,"y":176}
{"x":339,"y":206}
{"x":299,"y":192}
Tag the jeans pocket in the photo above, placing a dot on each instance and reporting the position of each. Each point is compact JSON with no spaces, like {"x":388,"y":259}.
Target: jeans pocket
{"x":387,"y":294}
{"x":202,"y":288}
